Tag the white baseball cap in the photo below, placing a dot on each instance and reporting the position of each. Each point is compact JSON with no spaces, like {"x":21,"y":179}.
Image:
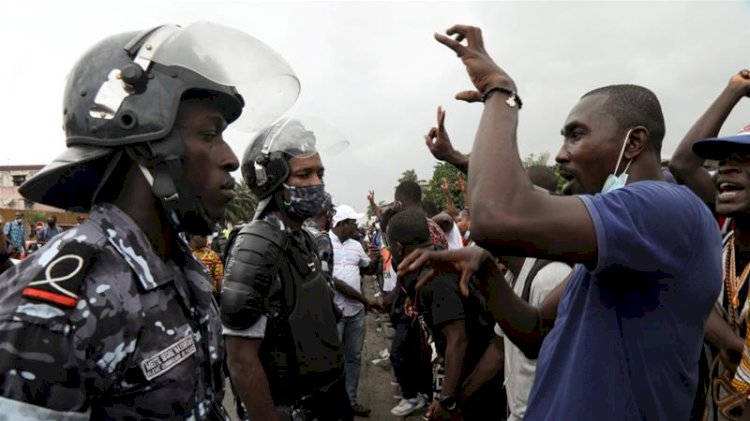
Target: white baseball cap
{"x":344,"y":212}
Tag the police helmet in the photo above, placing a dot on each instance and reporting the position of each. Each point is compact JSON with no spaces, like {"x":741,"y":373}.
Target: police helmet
{"x":124,"y":93}
{"x":265,"y":165}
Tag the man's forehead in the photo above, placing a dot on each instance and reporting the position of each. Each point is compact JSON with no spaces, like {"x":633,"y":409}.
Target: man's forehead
{"x":588,"y":111}
{"x":298,"y":163}
{"x":201,"y":109}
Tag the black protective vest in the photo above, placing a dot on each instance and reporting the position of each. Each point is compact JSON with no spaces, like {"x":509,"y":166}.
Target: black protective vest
{"x":301,"y":352}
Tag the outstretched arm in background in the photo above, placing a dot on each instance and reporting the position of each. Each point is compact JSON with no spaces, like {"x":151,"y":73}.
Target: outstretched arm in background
{"x":685,"y":165}
{"x":440,"y":145}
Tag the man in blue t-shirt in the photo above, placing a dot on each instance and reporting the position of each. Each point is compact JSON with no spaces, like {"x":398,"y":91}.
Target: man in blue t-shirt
{"x":628,"y":323}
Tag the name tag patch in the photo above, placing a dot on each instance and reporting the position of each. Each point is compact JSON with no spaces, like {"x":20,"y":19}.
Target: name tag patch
{"x":169,"y":357}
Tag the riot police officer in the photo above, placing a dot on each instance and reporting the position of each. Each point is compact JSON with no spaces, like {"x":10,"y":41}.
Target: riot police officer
{"x":283,"y":349}
{"x":114,"y":319}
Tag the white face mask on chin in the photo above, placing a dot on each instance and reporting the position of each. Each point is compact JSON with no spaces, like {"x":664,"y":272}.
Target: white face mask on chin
{"x":614,"y":181}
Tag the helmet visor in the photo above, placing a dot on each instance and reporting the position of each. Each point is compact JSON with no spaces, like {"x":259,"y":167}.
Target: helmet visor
{"x":231,"y":57}
{"x":303,"y":136}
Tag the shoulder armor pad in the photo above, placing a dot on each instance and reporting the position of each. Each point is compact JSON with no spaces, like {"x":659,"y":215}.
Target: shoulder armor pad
{"x":251,"y":267}
{"x":267,"y":230}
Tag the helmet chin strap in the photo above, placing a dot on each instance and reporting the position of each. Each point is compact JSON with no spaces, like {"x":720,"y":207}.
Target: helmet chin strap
{"x":161,"y":163}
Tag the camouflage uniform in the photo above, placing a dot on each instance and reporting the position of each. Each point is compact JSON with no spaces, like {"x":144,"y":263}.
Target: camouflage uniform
{"x":111,"y":332}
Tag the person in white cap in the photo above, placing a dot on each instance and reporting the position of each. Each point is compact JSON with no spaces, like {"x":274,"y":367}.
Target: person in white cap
{"x":348,"y":258}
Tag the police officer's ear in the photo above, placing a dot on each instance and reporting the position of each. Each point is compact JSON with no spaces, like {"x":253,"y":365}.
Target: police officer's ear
{"x":637,"y":142}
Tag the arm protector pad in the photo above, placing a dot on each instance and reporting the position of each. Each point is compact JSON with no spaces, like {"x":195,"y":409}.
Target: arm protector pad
{"x":252,"y":264}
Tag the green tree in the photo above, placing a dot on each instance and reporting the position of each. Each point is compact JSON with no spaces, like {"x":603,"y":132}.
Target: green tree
{"x":242,"y":207}
{"x":532,"y":160}
{"x":408,"y":175}
{"x":433,"y":190}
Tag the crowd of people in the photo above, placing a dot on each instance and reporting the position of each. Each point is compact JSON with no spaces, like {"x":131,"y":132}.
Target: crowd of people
{"x":618,"y":296}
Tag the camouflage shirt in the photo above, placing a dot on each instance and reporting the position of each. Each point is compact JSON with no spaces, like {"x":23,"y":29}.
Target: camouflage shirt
{"x":95,"y":325}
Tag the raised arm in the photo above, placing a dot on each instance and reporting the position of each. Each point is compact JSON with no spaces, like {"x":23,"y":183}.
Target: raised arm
{"x":450,"y":207}
{"x":461,"y":184}
{"x":373,"y":206}
{"x":522,"y":323}
{"x":685,"y":165}
{"x":508,"y":217}
{"x":440,"y":145}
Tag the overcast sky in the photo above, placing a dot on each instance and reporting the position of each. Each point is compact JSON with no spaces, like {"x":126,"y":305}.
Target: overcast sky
{"x":374,"y":71}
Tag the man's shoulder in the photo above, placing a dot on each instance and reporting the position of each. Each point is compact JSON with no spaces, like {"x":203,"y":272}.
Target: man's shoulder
{"x":63,"y":279}
{"x":352,"y":244}
{"x":653,"y":203}
{"x":261,"y":233}
{"x":660,"y":192}
{"x":443,"y":285}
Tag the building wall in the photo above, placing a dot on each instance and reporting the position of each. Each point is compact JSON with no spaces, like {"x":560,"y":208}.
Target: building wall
{"x":9,"y":196}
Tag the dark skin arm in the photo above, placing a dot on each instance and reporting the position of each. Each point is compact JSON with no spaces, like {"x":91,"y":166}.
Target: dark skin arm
{"x":450,"y":207}
{"x":373,"y":206}
{"x":461,"y":184}
{"x":390,"y":298}
{"x":508,"y":216}
{"x":455,"y":337}
{"x":249,"y":377}
{"x":523,"y":324}
{"x":352,"y":293}
{"x":440,"y":145}
{"x":455,"y":350}
{"x":489,"y":366}
{"x":685,"y":165}
{"x":371,"y":268}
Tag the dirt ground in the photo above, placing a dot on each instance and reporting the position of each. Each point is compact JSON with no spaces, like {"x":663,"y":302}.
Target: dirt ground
{"x":375,"y":389}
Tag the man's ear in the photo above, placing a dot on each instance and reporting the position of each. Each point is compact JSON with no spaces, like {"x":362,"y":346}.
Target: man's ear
{"x":637,"y":142}
{"x":398,"y":248}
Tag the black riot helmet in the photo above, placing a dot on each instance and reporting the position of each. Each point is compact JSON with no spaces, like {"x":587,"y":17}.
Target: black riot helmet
{"x":265,"y":165}
{"x":123,"y":95}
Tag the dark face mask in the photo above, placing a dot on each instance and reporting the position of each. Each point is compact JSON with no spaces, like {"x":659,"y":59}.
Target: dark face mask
{"x":306,"y":201}
{"x":50,"y":222}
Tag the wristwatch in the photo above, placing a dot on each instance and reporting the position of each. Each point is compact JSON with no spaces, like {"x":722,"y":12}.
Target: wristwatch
{"x":448,"y":402}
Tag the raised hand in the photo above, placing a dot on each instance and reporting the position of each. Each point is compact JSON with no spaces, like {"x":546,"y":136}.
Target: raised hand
{"x":482,"y":70}
{"x":466,"y":262}
{"x":444,"y":185}
{"x":437,"y":139}
{"x":741,"y":82}
{"x":460,"y":183}
{"x":371,"y":197}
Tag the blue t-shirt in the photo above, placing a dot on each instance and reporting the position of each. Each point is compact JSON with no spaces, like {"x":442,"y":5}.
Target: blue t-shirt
{"x":628,"y":334}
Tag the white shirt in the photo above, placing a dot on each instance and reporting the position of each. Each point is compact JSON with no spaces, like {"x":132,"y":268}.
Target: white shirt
{"x":348,"y":257}
{"x":389,"y":272}
{"x":454,"y":238}
{"x":519,"y":370}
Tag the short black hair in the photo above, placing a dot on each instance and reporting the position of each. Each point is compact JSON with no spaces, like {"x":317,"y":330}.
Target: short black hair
{"x":430,"y":208}
{"x":386,"y":214}
{"x":409,"y":193}
{"x":543,"y":176}
{"x":408,"y":227}
{"x":633,"y":105}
